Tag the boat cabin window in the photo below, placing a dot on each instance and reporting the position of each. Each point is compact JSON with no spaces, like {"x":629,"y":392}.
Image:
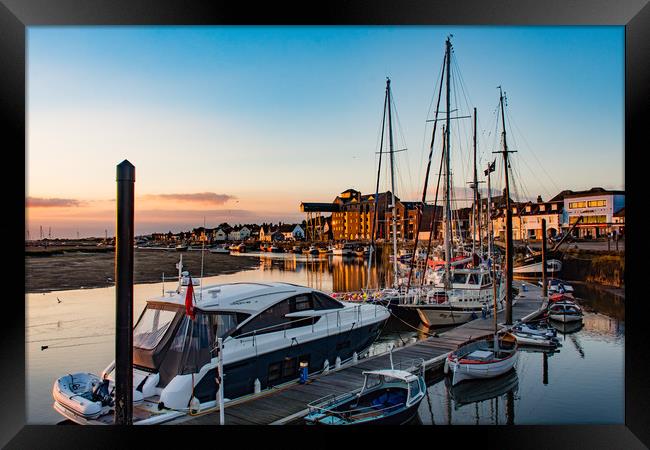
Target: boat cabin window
{"x":270,"y":320}
{"x":459,"y":278}
{"x":322,"y":301}
{"x":152,"y":326}
{"x":473,"y":278}
{"x":414,"y":388}
{"x":372,"y":381}
{"x":301,"y":303}
{"x":223,"y":323}
{"x":486,"y":279}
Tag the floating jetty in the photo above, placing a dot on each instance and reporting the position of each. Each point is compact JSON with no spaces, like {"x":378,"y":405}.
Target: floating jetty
{"x":287,"y":403}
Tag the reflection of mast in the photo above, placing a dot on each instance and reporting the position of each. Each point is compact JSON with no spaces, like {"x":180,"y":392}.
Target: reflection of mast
{"x":577,"y":345}
{"x":510,"y":407}
{"x":544,"y":368}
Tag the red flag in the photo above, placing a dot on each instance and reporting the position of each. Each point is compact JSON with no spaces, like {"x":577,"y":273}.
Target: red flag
{"x":189,"y":297}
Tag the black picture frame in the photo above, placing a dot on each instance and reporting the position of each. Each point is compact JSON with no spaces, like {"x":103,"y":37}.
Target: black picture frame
{"x":16,"y":15}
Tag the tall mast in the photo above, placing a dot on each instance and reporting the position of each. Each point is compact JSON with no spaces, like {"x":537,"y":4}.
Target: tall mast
{"x":426,"y":184}
{"x":376,"y":206}
{"x":392,"y":183}
{"x":509,"y":249}
{"x":475,"y":186}
{"x":447,"y":175}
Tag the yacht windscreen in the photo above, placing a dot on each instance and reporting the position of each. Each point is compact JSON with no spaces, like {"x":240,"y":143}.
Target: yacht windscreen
{"x":459,"y":278}
{"x":152,"y":326}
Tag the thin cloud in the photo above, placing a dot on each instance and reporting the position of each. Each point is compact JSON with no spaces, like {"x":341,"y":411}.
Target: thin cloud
{"x":210,"y":198}
{"x":39,"y":202}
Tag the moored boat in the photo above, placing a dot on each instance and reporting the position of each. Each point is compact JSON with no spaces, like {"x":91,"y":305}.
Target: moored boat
{"x":220,"y":249}
{"x":387,"y":397}
{"x":565,"y":311}
{"x":486,"y":357}
{"x":268,"y":331}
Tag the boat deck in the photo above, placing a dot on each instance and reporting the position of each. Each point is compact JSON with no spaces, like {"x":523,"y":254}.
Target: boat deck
{"x":288,"y":403}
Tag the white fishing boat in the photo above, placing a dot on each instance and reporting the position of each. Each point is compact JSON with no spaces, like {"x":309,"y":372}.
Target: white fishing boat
{"x":471,"y":296}
{"x":487,"y":357}
{"x":220,"y":249}
{"x":268,"y":331}
{"x":535,"y":340}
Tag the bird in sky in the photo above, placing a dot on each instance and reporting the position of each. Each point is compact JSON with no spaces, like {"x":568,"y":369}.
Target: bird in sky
{"x":58,"y":300}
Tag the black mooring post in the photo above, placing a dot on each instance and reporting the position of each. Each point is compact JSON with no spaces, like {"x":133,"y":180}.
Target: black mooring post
{"x":124,"y":294}
{"x":544,"y":280}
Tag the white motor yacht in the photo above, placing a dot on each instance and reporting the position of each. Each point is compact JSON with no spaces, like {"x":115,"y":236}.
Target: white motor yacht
{"x":268,"y":331}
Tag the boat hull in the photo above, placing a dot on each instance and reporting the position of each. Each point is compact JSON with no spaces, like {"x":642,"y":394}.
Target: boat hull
{"x":553,"y":266}
{"x":461,"y":372}
{"x":565,"y":317}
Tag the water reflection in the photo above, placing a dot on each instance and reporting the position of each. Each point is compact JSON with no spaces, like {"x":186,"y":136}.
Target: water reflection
{"x":343,"y":273}
{"x":584,"y":380}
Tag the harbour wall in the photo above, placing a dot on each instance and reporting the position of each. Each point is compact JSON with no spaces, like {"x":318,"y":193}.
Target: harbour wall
{"x":606,"y":268}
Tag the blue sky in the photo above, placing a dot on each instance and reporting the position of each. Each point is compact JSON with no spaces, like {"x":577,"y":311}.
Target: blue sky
{"x":272,"y":116}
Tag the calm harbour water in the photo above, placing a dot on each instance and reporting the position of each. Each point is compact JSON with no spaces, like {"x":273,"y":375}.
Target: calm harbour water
{"x":582,"y":383}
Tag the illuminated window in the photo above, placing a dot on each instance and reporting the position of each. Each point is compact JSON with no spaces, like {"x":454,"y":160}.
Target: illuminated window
{"x":577,"y":205}
{"x":593,"y":203}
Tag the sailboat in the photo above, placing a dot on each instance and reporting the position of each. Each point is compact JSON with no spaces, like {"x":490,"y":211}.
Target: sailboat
{"x":458,"y":294}
{"x":393,"y":295}
{"x":495,"y":354}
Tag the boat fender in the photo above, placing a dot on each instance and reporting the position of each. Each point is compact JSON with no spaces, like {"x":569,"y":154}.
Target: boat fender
{"x":257,"y":386}
{"x":326,"y":366}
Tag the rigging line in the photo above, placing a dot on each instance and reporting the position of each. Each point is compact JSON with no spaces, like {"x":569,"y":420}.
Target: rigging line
{"x":401,"y":134}
{"x":433,"y":216}
{"x":426,"y":176}
{"x":433,"y":96}
{"x":532,"y":152}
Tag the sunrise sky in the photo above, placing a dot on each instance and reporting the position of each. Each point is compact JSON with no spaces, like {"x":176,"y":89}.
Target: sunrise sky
{"x":241,"y":124}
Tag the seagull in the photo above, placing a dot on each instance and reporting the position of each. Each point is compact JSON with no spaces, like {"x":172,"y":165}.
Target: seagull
{"x":58,"y":300}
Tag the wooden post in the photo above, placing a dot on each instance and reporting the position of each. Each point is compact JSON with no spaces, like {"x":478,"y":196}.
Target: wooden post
{"x":544,"y":278}
{"x":124,"y":294}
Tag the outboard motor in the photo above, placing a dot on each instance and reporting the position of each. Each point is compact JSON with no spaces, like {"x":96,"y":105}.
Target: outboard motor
{"x":100,"y":393}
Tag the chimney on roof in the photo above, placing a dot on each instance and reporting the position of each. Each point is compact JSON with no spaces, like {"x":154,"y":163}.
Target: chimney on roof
{"x":539,"y":199}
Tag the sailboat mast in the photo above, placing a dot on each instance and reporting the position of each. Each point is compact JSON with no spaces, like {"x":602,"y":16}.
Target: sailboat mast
{"x":376,"y":206}
{"x":447,"y":175}
{"x":392,"y":182}
{"x":475,"y":186}
{"x":509,"y":247}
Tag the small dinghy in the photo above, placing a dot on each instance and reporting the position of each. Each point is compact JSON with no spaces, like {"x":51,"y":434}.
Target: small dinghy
{"x":561,"y":297}
{"x":83,"y":394}
{"x":539,"y":329}
{"x":388,"y":397}
{"x":486,"y":357}
{"x":535,"y":340}
{"x":565,"y":311}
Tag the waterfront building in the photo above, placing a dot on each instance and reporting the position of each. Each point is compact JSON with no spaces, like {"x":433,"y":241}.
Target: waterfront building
{"x":355,"y":213}
{"x":527,"y":219}
{"x":292,"y":232}
{"x":597,"y":206}
{"x":239,"y":233}
{"x":406,"y":225}
{"x":618,"y":225}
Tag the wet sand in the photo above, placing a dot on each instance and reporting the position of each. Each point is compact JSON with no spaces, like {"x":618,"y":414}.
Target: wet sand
{"x":89,"y":270}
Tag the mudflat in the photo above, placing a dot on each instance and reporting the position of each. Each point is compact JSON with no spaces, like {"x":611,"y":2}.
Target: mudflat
{"x":89,"y":270}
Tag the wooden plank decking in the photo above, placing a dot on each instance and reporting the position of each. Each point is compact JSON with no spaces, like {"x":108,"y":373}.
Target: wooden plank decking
{"x":288,"y":403}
